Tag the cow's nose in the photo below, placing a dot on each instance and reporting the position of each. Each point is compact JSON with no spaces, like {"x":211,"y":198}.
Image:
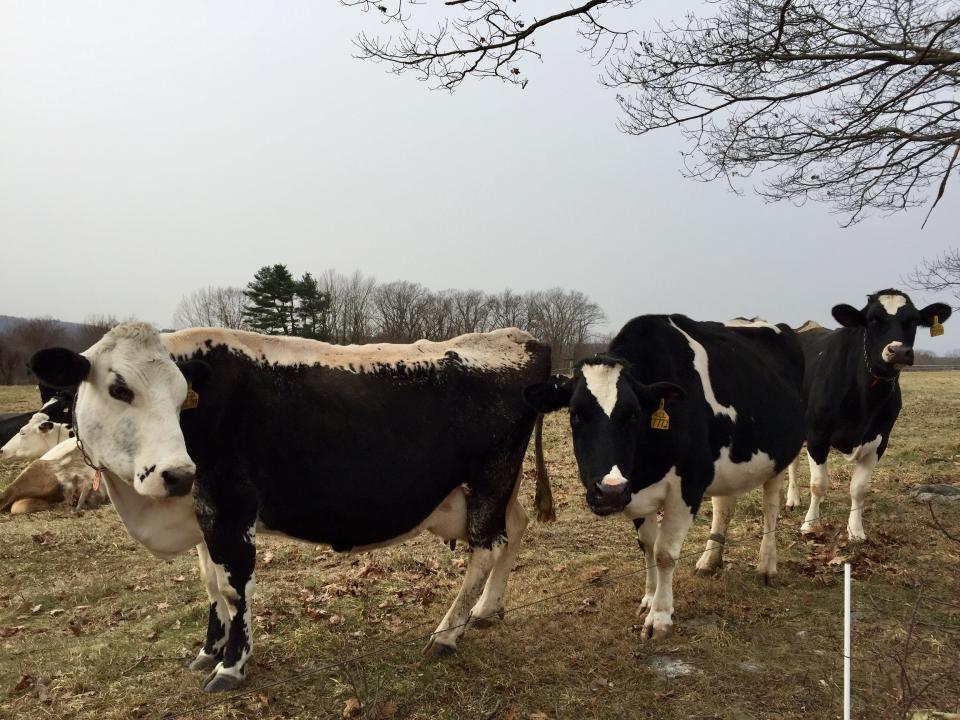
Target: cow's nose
{"x":177,"y":482}
{"x":613,"y":495}
{"x":902,"y":355}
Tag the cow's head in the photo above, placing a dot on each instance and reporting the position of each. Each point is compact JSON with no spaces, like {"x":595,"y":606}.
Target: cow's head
{"x":128,"y":407}
{"x":890,"y":321}
{"x":35,"y":438}
{"x":610,"y":416}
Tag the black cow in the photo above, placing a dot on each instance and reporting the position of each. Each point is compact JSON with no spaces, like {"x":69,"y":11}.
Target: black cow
{"x":356,"y":447}
{"x":852,"y":390}
{"x":677,"y":409}
{"x":56,"y":406}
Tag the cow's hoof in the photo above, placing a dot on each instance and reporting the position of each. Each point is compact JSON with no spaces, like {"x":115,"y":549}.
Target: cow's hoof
{"x":856,"y":535}
{"x":808,"y":530}
{"x":221,"y":680}
{"x":658,"y":625}
{"x":436,"y":650}
{"x":204,"y":661}
{"x":482,"y":623}
{"x":768,"y":579}
{"x":707,"y":571}
{"x":645,"y":605}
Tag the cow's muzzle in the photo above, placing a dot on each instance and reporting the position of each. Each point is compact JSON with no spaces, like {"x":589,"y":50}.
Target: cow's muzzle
{"x":898,"y":355}
{"x":607,"y":499}
{"x":177,"y":482}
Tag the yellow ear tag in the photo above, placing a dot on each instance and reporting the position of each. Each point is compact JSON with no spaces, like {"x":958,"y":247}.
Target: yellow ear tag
{"x":191,"y":400}
{"x":660,"y":420}
{"x":936,"y":330}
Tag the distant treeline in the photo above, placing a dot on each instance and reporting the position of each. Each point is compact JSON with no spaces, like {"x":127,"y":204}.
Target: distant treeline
{"x":357,"y":309}
{"x":21,"y":337}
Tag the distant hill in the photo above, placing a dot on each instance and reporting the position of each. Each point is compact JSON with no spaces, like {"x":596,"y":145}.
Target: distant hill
{"x":8,"y":322}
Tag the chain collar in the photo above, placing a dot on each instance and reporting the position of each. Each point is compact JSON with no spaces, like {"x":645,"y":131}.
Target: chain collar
{"x":97,"y":469}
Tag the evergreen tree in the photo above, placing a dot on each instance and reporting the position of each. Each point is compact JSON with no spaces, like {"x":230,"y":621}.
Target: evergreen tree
{"x":313,"y":307}
{"x":272,"y":301}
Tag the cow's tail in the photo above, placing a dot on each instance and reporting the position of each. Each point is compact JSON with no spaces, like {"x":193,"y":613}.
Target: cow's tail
{"x":543,"y":500}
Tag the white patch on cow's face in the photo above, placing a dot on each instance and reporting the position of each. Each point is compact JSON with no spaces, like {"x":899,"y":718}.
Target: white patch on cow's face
{"x":34,"y":439}
{"x":140,"y":439}
{"x":614,"y":478}
{"x":755,"y":323}
{"x":499,"y":349}
{"x":892,"y":303}
{"x":702,"y":366}
{"x":602,"y":383}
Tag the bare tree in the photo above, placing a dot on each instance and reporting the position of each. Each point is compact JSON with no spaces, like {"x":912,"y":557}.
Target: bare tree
{"x":942,"y":274}
{"x":853,"y":104}
{"x":358,"y":308}
{"x":12,"y":358}
{"x":471,"y":311}
{"x":508,"y":309}
{"x":93,"y":328}
{"x":211,"y":307}
{"x":401,"y":311}
{"x":564,"y":319}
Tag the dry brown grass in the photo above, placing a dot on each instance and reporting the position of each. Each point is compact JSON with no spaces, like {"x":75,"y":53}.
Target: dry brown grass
{"x":91,"y":626}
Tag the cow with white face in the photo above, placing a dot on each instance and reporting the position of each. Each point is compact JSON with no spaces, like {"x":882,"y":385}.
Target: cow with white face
{"x":35,"y":438}
{"x":852,"y":391}
{"x":128,"y":407}
{"x":390,"y":440}
{"x":676,"y":410}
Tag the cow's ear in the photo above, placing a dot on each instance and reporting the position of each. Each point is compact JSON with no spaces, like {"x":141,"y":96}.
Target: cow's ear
{"x":651,"y":395}
{"x":59,"y":367}
{"x":848,"y":316}
{"x":197,"y":372}
{"x":940,"y":311}
{"x":46,"y":426}
{"x":549,"y":396}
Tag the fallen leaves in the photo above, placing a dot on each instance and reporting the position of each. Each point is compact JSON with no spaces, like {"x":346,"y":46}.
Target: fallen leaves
{"x":351,"y":708}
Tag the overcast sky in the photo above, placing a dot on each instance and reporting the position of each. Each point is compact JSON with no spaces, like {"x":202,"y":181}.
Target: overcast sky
{"x":151,"y":148}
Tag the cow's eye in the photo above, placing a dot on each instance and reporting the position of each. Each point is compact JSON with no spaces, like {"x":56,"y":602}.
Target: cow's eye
{"x":121,"y":393}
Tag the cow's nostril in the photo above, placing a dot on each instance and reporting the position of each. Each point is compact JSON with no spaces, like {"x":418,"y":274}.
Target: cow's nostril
{"x":176,"y":482}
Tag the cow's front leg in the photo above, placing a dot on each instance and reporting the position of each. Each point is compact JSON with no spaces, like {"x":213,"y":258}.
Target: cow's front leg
{"x":218,"y":618}
{"x":859,"y":485}
{"x":767,"y":565}
{"x":677,"y":518}
{"x":712,"y":558}
{"x":647,"y":528}
{"x":233,"y":556}
{"x":793,"y":489}
{"x":819,"y":484}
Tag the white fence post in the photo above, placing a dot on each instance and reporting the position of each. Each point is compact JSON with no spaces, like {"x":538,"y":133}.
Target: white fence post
{"x":846,"y":641}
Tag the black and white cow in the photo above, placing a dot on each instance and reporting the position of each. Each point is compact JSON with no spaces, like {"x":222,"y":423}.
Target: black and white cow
{"x":56,"y":406}
{"x":852,"y":389}
{"x":733,"y":421}
{"x":357,"y":447}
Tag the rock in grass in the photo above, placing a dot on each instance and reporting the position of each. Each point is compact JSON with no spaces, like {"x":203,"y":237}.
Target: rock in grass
{"x":936,"y":493}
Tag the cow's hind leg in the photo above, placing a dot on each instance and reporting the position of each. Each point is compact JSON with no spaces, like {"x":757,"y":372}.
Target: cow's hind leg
{"x":486,"y":534}
{"x":819,"y":484}
{"x":712,"y":558}
{"x":25,"y":506}
{"x":491,"y":603}
{"x":218,"y":617}
{"x":767,"y":565}
{"x":793,"y":489}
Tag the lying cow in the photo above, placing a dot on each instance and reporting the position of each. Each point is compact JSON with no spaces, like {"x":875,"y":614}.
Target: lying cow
{"x":59,"y":478}
{"x":852,"y":390}
{"x":35,"y":438}
{"x":390,"y":440}
{"x":675,"y":410}
{"x":56,"y":406}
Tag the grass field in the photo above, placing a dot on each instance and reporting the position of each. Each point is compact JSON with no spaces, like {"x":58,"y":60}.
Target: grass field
{"x":92,"y":626}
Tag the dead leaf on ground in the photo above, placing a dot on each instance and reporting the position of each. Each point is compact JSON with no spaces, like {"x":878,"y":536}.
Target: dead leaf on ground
{"x":389,"y":710}
{"x":511,"y":712}
{"x":23,"y":683}
{"x":351,"y":708}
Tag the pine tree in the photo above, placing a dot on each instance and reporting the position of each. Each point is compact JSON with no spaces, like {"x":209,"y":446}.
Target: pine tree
{"x":313,"y":306}
{"x":272,"y":307}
